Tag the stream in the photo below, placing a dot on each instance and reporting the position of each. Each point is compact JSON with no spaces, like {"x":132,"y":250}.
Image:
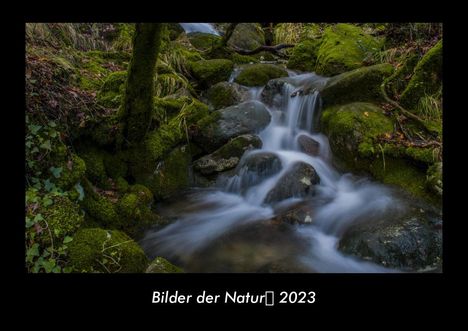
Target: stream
{"x":230,"y":227}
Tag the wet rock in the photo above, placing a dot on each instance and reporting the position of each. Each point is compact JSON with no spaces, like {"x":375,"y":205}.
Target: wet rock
{"x":247,"y":36}
{"x":308,"y":145}
{"x":228,"y":156}
{"x":161,"y":265}
{"x":272,"y":92}
{"x":410,"y":242}
{"x":246,"y":118}
{"x":224,"y":94}
{"x":301,"y":213}
{"x":256,"y":168}
{"x":298,"y":181}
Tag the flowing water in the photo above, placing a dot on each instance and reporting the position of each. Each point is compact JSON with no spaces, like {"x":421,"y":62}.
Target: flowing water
{"x":229,"y":227}
{"x":199,"y":27}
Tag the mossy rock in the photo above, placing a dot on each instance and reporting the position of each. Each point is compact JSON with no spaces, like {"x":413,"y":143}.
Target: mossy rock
{"x":73,"y":170}
{"x":115,"y":164}
{"x":344,"y":47}
{"x":100,"y":208}
{"x":210,"y":72}
{"x":161,"y":265}
{"x":159,"y":142}
{"x":259,"y":74}
{"x":353,"y":130}
{"x":63,"y":218}
{"x":111,"y":93}
{"x":427,"y":77}
{"x":226,"y":94}
{"x":166,"y":108}
{"x":243,"y":59}
{"x":172,"y":174}
{"x":304,"y":55}
{"x":397,"y":82}
{"x":434,"y":179}
{"x":106,"y":251}
{"x":247,"y":36}
{"x":203,"y":41}
{"x":95,"y":169}
{"x":362,"y":84}
{"x":228,"y":156}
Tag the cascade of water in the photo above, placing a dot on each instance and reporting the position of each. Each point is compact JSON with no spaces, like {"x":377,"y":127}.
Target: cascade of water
{"x":342,"y":200}
{"x":199,"y":27}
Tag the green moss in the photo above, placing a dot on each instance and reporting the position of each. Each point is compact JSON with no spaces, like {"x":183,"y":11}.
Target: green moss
{"x":166,"y":108}
{"x":203,"y":41}
{"x":62,"y":218}
{"x":144,"y":194}
{"x":121,"y":184}
{"x":210,"y":72}
{"x":73,"y":171}
{"x":116,"y":164}
{"x":99,"y":250}
{"x":100,"y":208}
{"x":259,"y":74}
{"x":161,"y":265}
{"x":426,"y":79}
{"x":344,"y":47}
{"x":223,"y":95}
{"x":304,"y":55}
{"x":362,"y":84}
{"x":434,"y":179}
{"x":171,"y":175}
{"x":401,"y":173}
{"x":353,"y":130}
{"x":247,"y":36}
{"x":95,"y":169}
{"x":397,"y":82}
{"x":111,"y":93}
{"x":243,"y":59}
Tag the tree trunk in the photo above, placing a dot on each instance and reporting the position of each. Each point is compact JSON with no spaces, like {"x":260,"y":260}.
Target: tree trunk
{"x":138,"y":99}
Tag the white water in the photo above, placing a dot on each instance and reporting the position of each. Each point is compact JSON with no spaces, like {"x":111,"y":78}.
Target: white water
{"x":199,"y":27}
{"x":340,"y":199}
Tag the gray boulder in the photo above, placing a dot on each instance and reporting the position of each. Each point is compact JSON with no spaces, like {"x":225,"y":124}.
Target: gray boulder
{"x":298,"y":181}
{"x":308,"y":145}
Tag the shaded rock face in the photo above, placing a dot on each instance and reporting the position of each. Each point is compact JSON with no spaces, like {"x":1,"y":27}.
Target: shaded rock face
{"x":298,"y":181}
{"x":410,"y":242}
{"x":228,"y":156}
{"x":247,"y":36}
{"x":224,"y":94}
{"x":247,"y":117}
{"x":256,"y":168}
{"x":361,"y":84}
{"x":308,"y":145}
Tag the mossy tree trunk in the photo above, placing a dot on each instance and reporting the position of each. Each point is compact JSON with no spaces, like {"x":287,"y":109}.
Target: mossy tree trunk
{"x":138,"y":100}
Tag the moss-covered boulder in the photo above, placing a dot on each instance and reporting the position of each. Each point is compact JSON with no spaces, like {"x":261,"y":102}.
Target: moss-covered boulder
{"x":304,"y":55}
{"x":161,"y":265}
{"x":361,"y":84}
{"x":247,"y":36}
{"x":228,"y":156}
{"x":210,"y":72}
{"x":100,"y":209}
{"x":203,"y":41}
{"x":62,"y":218}
{"x":427,"y":77}
{"x":344,"y":47}
{"x":106,"y":251}
{"x":396,"y":83}
{"x":227,"y":123}
{"x":259,"y":74}
{"x":226,"y":94}
{"x":171,"y":174}
{"x":354,"y":128}
{"x":73,"y":170}
{"x":95,"y":169}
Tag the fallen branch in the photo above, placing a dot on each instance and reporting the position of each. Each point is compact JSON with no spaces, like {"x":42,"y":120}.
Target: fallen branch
{"x":272,"y":49}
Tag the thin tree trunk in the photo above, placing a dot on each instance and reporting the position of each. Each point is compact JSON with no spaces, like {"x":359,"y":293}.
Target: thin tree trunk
{"x":138,"y":100}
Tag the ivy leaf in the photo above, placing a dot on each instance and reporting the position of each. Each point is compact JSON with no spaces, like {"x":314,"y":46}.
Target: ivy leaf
{"x":47,"y":202}
{"x":48,"y":265}
{"x":67,"y":239}
{"x":29,"y":222}
{"x":46,"y":145}
{"x":80,"y":190}
{"x":32,"y":252}
{"x":34,"y":128}
{"x":48,"y":185}
{"x":38,"y":218}
{"x":52,"y":124}
{"x":56,"y":171}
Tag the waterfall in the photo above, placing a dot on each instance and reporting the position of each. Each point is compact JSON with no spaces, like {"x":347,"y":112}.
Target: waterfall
{"x":340,"y":200}
{"x":199,"y":27}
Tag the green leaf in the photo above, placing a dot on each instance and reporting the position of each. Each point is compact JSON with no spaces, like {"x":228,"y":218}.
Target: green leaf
{"x":46,"y":145}
{"x":56,"y":270}
{"x":56,"y":171}
{"x":52,"y":124}
{"x":67,"y":239}
{"x":28,"y":144}
{"x":38,"y":218}
{"x":48,"y":185}
{"x":32,"y":252}
{"x":29,"y":222}
{"x":48,"y":265}
{"x":35,"y":128}
{"x":47,"y":201}
{"x":34,"y":150}
{"x":80,"y":190}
